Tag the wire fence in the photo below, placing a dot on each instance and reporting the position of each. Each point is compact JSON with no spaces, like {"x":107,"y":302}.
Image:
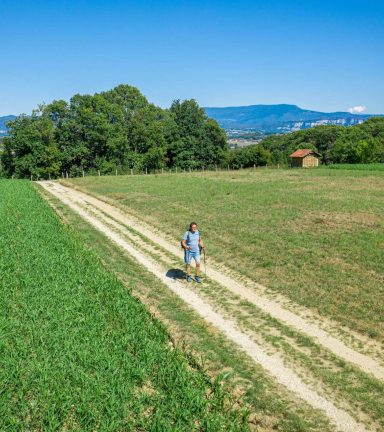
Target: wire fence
{"x":123,"y":171}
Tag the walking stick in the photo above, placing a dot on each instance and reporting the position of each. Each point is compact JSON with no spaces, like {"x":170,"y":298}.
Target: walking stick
{"x":205,"y":265}
{"x":186,"y":265}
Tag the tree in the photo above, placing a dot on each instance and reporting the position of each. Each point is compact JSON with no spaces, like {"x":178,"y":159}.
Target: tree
{"x":197,"y":140}
{"x":117,"y":128}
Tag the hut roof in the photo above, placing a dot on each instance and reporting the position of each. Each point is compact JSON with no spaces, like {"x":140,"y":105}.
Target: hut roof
{"x":303,"y":152}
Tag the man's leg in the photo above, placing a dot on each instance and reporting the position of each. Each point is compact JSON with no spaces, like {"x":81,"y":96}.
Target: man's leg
{"x":197,"y":268}
{"x":188,"y":269}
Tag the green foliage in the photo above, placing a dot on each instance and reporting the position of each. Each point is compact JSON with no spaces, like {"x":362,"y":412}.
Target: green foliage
{"x":363,"y":143}
{"x":362,"y":151}
{"x":114,"y":129}
{"x":197,"y":140}
{"x":249,"y":156}
{"x":77,"y":350}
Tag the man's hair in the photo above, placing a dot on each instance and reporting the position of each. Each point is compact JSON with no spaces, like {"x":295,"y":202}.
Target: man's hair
{"x":191,"y":224}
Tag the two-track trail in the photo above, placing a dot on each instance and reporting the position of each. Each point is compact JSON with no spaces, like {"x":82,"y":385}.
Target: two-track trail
{"x":124,"y":229}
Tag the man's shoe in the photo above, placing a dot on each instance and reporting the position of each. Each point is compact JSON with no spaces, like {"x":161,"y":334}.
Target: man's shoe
{"x":189,"y":279}
{"x":198,"y":280}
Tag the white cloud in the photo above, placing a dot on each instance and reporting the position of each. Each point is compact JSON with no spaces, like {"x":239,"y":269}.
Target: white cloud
{"x":357,"y":109}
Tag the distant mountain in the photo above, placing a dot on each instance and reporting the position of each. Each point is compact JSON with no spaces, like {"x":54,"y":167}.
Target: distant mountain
{"x":279,"y":118}
{"x":3,"y":128}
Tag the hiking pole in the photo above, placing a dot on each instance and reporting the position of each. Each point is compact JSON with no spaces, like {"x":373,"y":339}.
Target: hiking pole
{"x":186,"y":265}
{"x":205,"y":265}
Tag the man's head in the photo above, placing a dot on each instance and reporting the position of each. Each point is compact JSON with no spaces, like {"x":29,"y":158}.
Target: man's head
{"x":193,"y":227}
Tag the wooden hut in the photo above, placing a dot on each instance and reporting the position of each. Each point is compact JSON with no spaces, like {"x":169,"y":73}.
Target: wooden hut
{"x":305,"y":158}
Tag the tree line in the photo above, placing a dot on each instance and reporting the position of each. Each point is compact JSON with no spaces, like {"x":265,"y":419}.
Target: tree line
{"x":362,"y":143}
{"x":109,"y":130}
{"x":120,"y":129}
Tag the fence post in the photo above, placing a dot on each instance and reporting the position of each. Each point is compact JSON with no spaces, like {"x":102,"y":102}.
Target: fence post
{"x":12,"y":176}
{"x":203,"y":168}
{"x":254,"y":167}
{"x":116,"y":171}
{"x":83,"y":173}
{"x":146,"y":171}
{"x":37,"y":177}
{"x":184,"y":169}
{"x":48,"y":175}
{"x":266,"y":166}
{"x":189,"y":169}
{"x":62,"y":174}
{"x":216,"y":167}
{"x":66,"y":174}
{"x":162,"y":170}
{"x":31,"y":177}
{"x":176,"y":170}
{"x":278,"y":166}
{"x":228,"y":167}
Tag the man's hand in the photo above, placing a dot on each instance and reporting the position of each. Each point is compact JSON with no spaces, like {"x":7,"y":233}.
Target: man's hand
{"x":203,"y":247}
{"x":189,"y":248}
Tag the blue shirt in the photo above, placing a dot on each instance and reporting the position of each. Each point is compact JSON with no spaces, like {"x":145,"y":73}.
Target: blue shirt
{"x":193,"y":240}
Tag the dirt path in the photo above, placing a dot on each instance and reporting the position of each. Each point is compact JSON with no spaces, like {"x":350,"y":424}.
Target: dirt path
{"x":273,"y":364}
{"x":252,"y":292}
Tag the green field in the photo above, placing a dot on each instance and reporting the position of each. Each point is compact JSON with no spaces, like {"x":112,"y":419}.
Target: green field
{"x":314,"y":235}
{"x":77,"y":350}
{"x":359,"y":167}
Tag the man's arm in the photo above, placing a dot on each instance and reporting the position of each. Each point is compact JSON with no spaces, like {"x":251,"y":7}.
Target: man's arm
{"x":184,"y":244}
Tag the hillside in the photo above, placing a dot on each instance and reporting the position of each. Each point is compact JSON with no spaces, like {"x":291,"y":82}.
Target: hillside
{"x":279,"y":118}
{"x":3,"y":121}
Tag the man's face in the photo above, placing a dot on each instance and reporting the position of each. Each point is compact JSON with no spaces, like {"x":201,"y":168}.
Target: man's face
{"x":193,"y":228}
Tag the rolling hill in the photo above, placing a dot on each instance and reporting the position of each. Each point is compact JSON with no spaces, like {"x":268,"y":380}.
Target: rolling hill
{"x":3,"y":121}
{"x":279,"y":118}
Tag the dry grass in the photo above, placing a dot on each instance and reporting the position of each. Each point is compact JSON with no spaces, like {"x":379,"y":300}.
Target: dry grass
{"x":314,"y":235}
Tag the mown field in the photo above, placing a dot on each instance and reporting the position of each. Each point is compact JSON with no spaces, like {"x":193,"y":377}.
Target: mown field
{"x":77,"y":350}
{"x":316,"y":236}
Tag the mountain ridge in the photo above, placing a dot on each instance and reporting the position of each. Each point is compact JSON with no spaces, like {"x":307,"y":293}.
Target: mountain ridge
{"x":279,"y":118}
{"x":3,"y":128}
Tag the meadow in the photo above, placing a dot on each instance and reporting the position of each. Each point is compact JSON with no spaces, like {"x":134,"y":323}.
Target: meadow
{"x":77,"y":350}
{"x":359,"y":167}
{"x":315,"y":236}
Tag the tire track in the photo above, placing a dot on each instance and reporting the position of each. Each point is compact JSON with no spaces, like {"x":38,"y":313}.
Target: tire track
{"x":275,"y":309}
{"x":273,"y":364}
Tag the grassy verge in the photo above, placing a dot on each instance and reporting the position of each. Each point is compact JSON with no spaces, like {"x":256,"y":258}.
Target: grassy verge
{"x":360,"y":167}
{"x":77,"y":350}
{"x":270,"y":407}
{"x":316,"y":236}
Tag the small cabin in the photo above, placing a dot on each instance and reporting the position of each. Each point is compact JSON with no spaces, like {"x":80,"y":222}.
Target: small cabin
{"x":305,"y":158}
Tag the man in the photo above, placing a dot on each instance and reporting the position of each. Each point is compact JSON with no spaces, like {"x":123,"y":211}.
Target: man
{"x":191,"y":242}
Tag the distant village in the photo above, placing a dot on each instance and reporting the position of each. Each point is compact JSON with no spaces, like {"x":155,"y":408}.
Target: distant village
{"x":239,"y":138}
{"x":238,"y":143}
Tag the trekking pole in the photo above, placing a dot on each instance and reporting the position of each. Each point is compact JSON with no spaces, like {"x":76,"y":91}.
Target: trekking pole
{"x":205,"y":265}
{"x":186,"y":265}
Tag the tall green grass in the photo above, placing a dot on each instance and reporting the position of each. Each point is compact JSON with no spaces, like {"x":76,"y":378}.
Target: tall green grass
{"x":360,"y":167}
{"x":79,"y":352}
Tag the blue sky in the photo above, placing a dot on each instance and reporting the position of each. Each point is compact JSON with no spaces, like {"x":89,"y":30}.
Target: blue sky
{"x":320,"y":55}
